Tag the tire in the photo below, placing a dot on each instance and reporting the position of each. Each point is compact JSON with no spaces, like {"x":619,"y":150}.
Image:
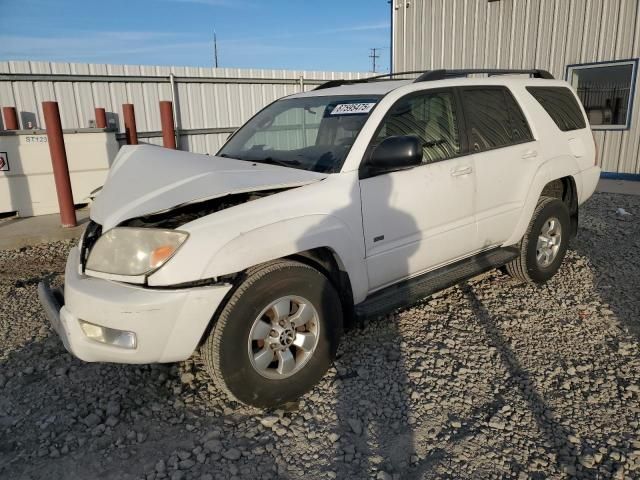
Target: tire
{"x":531,"y":265}
{"x":237,"y":365}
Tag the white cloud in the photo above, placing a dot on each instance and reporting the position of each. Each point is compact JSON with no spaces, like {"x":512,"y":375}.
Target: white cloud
{"x":93,"y":45}
{"x":359,"y":28}
{"x":304,"y":34}
{"x":216,"y":3}
{"x":163,"y":47}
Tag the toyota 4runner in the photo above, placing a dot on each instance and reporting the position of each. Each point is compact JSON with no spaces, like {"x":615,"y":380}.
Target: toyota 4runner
{"x":354,"y":199}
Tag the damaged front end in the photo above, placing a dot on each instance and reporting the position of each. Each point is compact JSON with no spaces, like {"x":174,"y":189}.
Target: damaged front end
{"x":182,"y":214}
{"x":165,"y":221}
{"x":152,"y":192}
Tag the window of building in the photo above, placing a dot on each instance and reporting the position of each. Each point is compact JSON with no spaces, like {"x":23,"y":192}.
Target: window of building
{"x":561,"y":105}
{"x":494,"y":119}
{"x":431,"y":117}
{"x":606,"y":91}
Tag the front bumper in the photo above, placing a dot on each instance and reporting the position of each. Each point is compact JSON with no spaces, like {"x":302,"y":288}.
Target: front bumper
{"x":168,"y":324}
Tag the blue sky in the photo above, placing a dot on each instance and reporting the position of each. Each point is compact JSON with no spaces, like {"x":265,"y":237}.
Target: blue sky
{"x":292,"y":34}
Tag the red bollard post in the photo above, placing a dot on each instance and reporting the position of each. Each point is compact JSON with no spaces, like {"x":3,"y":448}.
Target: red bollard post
{"x":10,"y":118}
{"x":130,"y":124}
{"x":59,"y":162}
{"x":101,"y":118}
{"x":166,"y":118}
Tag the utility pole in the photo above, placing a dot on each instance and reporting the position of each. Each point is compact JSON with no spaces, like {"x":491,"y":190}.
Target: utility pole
{"x":215,"y":50}
{"x":374,"y":56}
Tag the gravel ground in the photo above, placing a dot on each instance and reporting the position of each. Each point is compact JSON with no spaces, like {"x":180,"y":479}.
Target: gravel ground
{"x":489,"y":379}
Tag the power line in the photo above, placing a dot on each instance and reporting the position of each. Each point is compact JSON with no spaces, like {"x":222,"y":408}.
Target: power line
{"x":373,"y":56}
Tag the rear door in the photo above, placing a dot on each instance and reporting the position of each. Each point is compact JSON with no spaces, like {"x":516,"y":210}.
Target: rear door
{"x":505,"y":158}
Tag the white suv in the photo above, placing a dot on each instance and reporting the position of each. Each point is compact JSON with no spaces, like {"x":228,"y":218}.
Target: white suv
{"x":353,"y":199}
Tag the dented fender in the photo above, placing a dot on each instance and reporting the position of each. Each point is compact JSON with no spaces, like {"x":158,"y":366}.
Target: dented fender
{"x":290,"y":237}
{"x":270,"y":242}
{"x":323,"y":214}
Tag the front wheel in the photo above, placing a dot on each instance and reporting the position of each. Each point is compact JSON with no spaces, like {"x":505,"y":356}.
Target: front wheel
{"x":544,"y":244}
{"x":276,"y":336}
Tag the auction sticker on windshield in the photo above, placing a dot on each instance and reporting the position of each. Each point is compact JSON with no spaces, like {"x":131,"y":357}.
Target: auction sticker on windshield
{"x":352,"y":108}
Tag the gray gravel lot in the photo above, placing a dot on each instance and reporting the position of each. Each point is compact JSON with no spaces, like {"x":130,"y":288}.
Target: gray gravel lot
{"x":489,"y":379}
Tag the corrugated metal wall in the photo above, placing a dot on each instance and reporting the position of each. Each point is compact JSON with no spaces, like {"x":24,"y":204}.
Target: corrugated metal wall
{"x":211,"y":103}
{"x":548,"y":34}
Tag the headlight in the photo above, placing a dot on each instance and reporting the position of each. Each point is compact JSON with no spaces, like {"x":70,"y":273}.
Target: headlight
{"x":134,"y":251}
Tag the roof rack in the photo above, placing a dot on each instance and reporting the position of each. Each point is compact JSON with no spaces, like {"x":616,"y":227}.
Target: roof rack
{"x":376,"y":78}
{"x":432,"y":75}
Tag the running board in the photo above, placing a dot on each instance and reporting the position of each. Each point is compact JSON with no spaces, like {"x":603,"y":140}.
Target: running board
{"x":409,"y":292}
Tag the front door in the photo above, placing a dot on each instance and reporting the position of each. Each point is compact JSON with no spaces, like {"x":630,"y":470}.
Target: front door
{"x":418,"y":219}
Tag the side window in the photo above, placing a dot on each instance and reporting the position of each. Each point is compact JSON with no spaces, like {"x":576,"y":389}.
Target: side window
{"x":431,"y":117}
{"x":561,"y":106}
{"x":520,"y":131}
{"x":494,"y":118}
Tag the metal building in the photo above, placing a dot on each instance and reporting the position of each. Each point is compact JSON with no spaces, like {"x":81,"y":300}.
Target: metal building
{"x":593,"y":44}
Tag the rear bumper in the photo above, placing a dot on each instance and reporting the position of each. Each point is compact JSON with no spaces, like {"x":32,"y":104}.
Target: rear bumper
{"x":589,"y":179}
{"x":168,"y":324}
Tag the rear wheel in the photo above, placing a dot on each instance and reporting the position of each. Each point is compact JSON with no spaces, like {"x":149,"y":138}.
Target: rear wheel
{"x":276,"y":336}
{"x":544,"y":245}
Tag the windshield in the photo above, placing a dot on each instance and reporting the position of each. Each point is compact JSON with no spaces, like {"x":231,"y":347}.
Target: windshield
{"x":311,"y":133}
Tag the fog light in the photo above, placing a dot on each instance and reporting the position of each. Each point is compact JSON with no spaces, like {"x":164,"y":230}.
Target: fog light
{"x":110,"y":336}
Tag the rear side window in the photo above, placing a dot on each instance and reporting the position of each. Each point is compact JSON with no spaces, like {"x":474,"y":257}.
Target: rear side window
{"x":494,"y":119}
{"x":561,"y":105}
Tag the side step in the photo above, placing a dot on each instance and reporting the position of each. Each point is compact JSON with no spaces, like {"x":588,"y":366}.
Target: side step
{"x":415,"y":289}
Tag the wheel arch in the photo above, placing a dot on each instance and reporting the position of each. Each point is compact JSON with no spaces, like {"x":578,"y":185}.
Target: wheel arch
{"x":558,"y":178}
{"x":328,"y":262}
{"x":324,"y":240}
{"x":565,"y":189}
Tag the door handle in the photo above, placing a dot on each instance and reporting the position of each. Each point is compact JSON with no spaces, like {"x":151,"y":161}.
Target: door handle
{"x":530,"y":154}
{"x":456,"y":172}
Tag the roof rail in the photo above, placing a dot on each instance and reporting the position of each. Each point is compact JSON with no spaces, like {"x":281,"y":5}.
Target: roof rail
{"x":376,"y":78}
{"x":431,"y":75}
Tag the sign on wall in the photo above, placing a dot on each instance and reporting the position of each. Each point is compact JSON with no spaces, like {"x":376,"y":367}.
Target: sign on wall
{"x":4,"y":162}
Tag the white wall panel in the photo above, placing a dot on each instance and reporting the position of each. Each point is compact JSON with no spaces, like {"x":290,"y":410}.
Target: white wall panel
{"x":198,"y":104}
{"x":630,"y":148}
{"x":548,"y":34}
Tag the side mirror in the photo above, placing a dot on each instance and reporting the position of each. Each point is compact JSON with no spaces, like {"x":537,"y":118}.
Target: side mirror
{"x":396,"y":153}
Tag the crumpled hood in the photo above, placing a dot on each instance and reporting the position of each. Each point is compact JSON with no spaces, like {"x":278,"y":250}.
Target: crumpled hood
{"x":145,"y":179}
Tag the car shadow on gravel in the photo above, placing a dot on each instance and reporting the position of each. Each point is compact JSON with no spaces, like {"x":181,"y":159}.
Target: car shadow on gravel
{"x":611,"y":242}
{"x":554,"y":433}
{"x":369,"y":443}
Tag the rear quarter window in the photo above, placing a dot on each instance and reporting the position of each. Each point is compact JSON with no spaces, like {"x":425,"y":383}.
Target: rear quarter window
{"x":494,"y":118}
{"x":561,"y":105}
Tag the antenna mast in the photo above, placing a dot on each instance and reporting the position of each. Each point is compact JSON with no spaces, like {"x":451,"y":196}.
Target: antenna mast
{"x":215,"y":50}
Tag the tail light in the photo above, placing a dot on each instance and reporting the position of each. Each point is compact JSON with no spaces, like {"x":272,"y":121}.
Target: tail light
{"x":595,"y":146}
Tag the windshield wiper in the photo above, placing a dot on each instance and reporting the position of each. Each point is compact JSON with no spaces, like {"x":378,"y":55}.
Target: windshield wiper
{"x":274,"y":161}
